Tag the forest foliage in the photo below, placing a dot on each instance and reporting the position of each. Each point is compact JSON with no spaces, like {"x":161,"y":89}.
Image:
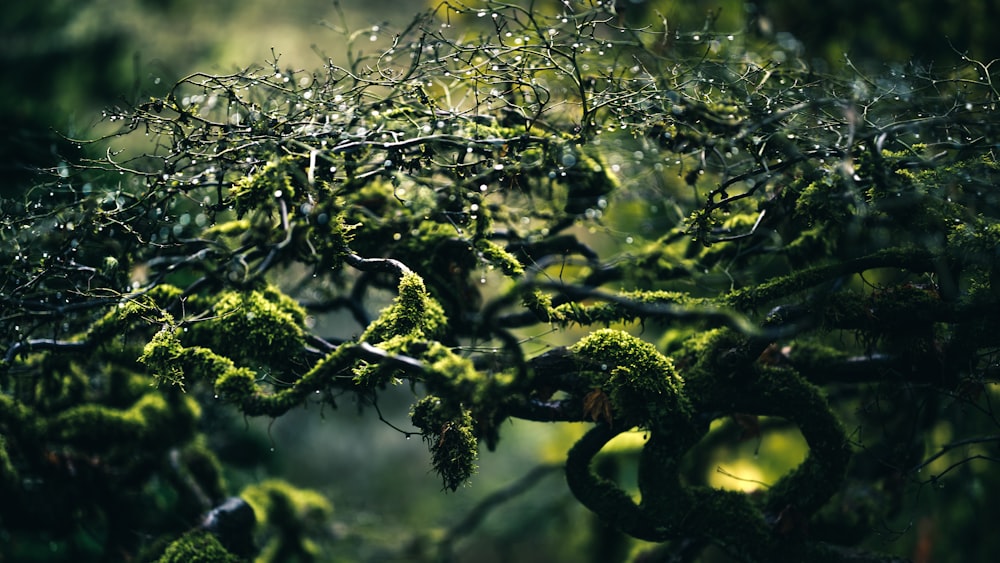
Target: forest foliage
{"x":722,"y":239}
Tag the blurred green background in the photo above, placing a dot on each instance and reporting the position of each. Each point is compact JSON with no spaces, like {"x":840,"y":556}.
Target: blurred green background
{"x":62,"y":62}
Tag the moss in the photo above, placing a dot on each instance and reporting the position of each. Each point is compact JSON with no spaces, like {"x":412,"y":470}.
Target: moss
{"x":720,"y":377}
{"x":642,"y":384}
{"x":163,"y":295}
{"x":255,"y":328}
{"x":162,"y":356}
{"x":237,"y":383}
{"x":784,"y":392}
{"x":458,"y":412}
{"x":227,"y":228}
{"x":807,"y":353}
{"x":587,"y":179}
{"x":497,"y":256}
{"x":197,"y":546}
{"x":204,"y":468}
{"x":290,"y":517}
{"x":153,"y":422}
{"x":975,"y":242}
{"x":61,"y":386}
{"x":9,"y":477}
{"x":632,"y":306}
{"x":540,"y":304}
{"x":279,"y":503}
{"x":457,"y":371}
{"x":272,"y":181}
{"x":908,"y":257}
{"x":448,"y":432}
{"x":413,"y":314}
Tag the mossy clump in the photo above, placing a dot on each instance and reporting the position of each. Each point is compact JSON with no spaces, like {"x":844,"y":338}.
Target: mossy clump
{"x":497,"y":256}
{"x":198,"y":546}
{"x":586,"y":179}
{"x":154,"y":422}
{"x":642,"y":385}
{"x":633,"y":306}
{"x":274,"y":181}
{"x":289,"y":518}
{"x":413,"y":314}
{"x":162,"y":355}
{"x":260,"y":328}
{"x":450,"y":435}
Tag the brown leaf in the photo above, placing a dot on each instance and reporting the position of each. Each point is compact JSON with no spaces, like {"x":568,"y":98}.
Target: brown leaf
{"x":597,"y":406}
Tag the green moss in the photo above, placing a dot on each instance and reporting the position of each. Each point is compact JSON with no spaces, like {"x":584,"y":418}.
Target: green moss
{"x":413,"y":314}
{"x":540,"y":304}
{"x":975,"y":242}
{"x":810,"y":353}
{"x":153,"y":422}
{"x":227,"y":228}
{"x":642,"y":384}
{"x":458,"y":371}
{"x":632,"y":306}
{"x":198,"y":546}
{"x":162,"y":356}
{"x":9,"y":477}
{"x":587,"y":179}
{"x":61,"y":386}
{"x":254,"y":329}
{"x":279,"y":503}
{"x":204,"y":467}
{"x":236,"y":384}
{"x":907,"y":257}
{"x":450,"y":436}
{"x":499,"y":257}
{"x":272,"y":181}
{"x":290,"y":517}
